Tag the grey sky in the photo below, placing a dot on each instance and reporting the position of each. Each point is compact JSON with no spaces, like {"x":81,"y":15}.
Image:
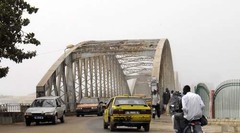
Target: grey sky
{"x":203,"y":34}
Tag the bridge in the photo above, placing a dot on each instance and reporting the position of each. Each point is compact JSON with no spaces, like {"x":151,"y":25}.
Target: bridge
{"x":223,"y":102}
{"x":108,"y":68}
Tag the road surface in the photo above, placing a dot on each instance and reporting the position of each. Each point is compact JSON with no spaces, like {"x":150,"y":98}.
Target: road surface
{"x":73,"y":124}
{"x":94,"y":124}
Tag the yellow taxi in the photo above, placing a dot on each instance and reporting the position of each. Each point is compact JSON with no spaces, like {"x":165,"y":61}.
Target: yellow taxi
{"x":131,"y":111}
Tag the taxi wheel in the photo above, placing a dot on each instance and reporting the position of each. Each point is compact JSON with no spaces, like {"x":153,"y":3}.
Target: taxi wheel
{"x":105,"y":125}
{"x":146,"y":127}
{"x":112,"y":126}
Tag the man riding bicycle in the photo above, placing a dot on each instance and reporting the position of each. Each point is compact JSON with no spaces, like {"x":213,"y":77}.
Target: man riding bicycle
{"x":192,"y":107}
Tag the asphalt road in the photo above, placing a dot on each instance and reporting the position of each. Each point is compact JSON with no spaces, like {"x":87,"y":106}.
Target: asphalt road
{"x":94,"y":124}
{"x":73,"y":124}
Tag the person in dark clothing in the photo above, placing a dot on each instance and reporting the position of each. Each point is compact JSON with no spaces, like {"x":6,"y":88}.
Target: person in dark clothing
{"x":175,"y":103}
{"x":166,"y":97}
{"x":172,"y":91}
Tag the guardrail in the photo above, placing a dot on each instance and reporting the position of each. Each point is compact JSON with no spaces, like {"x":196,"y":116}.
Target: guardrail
{"x":14,"y":107}
{"x":11,"y":113}
{"x":3,"y":108}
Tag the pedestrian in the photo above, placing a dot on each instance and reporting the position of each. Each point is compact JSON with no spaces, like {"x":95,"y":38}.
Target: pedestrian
{"x":166,"y":97}
{"x":175,"y":103}
{"x":172,"y":91}
{"x":192,"y":107}
{"x":156,"y":103}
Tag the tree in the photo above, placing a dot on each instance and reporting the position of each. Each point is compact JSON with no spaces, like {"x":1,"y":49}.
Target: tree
{"x":11,"y":33}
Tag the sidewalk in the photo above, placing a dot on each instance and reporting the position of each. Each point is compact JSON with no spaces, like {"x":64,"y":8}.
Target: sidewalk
{"x":164,"y":125}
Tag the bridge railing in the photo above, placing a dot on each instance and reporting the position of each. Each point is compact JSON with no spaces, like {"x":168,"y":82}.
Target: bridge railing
{"x":223,"y":102}
{"x":226,"y":99}
{"x":14,"y":107}
{"x":11,"y":113}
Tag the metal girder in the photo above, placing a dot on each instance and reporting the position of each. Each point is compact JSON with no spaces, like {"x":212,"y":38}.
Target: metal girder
{"x":131,"y":71}
{"x":102,"y":68}
{"x":138,"y":64}
{"x":135,"y":59}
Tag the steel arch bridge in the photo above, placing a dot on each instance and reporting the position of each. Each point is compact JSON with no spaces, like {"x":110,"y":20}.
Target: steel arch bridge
{"x":108,"y":68}
{"x":226,"y":99}
{"x":202,"y":90}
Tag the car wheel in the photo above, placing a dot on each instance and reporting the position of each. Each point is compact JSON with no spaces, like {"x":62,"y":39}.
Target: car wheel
{"x":112,"y":126}
{"x":105,"y":125}
{"x":82,"y":115}
{"x":28,"y":123}
{"x":62,"y":118}
{"x":138,"y":127}
{"x":77,"y":115}
{"x":146,"y":127}
{"x":100,"y":114}
{"x":37,"y":123}
{"x":54,"y":120}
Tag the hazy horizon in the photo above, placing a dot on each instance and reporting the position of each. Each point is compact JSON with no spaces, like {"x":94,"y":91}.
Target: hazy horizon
{"x":203,"y":35}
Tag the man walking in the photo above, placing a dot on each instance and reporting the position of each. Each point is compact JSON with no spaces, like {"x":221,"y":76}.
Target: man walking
{"x":156,"y":103}
{"x":166,"y":97}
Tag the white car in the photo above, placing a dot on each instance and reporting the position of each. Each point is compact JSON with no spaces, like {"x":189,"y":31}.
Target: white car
{"x":45,"y":109}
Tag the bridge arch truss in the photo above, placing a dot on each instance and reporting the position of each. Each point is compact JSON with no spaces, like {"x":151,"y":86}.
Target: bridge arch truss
{"x":202,"y":90}
{"x":226,"y":99}
{"x":103,"y":69}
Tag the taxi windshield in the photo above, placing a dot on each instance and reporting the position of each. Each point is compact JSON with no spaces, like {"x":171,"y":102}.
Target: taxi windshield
{"x":129,"y":100}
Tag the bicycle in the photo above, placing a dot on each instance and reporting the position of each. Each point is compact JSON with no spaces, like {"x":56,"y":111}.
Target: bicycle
{"x":193,"y":127}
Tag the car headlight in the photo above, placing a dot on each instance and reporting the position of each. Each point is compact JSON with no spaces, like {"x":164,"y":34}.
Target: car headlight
{"x":49,"y":113}
{"x":94,"y":107}
{"x":28,"y":113}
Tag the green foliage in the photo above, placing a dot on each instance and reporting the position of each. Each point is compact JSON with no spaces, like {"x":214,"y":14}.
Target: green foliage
{"x":11,"y":23}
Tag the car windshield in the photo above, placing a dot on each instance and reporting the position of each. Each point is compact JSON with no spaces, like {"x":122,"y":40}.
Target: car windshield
{"x":43,"y":103}
{"x":89,"y":100}
{"x":129,"y":100}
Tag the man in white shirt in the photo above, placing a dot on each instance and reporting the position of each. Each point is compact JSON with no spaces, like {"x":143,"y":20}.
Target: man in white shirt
{"x":192,"y":106}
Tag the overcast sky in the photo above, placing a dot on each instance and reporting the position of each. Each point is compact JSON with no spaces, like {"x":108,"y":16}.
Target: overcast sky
{"x":204,"y":36}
